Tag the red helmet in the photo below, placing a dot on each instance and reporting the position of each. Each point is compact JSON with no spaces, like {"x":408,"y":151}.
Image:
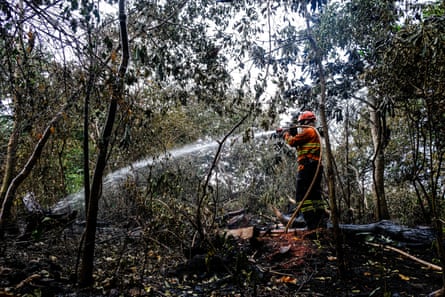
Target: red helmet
{"x":306,"y":116}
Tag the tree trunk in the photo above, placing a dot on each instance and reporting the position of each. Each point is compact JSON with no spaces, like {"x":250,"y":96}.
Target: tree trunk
{"x":86,"y":147}
{"x":11,"y":155}
{"x":439,"y":246}
{"x":10,"y":160}
{"x":86,"y":270}
{"x":378,"y":161}
{"x":328,"y":154}
{"x":347,"y":169}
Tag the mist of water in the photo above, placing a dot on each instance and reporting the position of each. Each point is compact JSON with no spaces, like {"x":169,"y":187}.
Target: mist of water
{"x":200,"y":151}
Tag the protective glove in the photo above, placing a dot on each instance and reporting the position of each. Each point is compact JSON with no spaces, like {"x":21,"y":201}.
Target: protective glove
{"x":286,"y":135}
{"x":278,"y":133}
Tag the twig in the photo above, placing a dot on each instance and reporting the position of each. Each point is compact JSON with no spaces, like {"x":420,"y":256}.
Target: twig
{"x":438,"y":293}
{"x":198,"y":224}
{"x":280,"y":273}
{"x":28,"y":280}
{"x":427,"y":264}
{"x":305,"y":282}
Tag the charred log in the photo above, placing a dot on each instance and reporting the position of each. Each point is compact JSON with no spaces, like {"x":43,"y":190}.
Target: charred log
{"x":403,"y":235}
{"x":419,"y":236}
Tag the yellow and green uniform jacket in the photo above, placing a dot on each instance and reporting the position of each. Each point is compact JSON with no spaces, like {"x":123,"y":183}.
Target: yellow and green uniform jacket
{"x":307,"y":144}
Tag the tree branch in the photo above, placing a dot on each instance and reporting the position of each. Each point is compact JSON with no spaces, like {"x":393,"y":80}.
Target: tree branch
{"x":388,"y":247}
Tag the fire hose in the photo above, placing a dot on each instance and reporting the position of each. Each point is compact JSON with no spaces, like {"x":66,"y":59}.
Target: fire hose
{"x":300,"y":205}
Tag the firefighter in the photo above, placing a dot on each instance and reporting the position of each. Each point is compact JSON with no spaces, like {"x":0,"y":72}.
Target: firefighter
{"x":307,"y":144}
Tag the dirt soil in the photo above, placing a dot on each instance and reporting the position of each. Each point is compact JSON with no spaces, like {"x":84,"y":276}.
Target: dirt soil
{"x":135,"y":263}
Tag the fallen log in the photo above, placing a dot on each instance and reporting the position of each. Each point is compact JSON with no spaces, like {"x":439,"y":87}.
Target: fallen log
{"x":419,"y":236}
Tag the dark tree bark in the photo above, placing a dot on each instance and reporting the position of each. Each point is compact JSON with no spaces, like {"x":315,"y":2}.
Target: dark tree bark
{"x":86,"y":270}
{"x":86,"y":148}
{"x":402,"y":234}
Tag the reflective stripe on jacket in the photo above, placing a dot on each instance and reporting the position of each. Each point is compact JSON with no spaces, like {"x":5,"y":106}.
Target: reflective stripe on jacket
{"x":312,"y":205}
{"x":307,"y":144}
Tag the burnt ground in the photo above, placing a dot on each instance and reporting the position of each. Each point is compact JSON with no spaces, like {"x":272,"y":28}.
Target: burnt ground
{"x":137,"y":263}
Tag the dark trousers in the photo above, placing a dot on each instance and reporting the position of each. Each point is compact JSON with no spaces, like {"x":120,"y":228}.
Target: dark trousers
{"x":305,"y":175}
{"x":313,"y":209}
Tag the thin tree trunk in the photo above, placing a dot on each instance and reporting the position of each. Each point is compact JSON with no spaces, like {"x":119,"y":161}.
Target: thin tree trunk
{"x":328,"y":153}
{"x":86,"y":270}
{"x":10,"y":160}
{"x":439,"y":244}
{"x":347,"y":169}
{"x":435,"y":167}
{"x":86,"y":147}
{"x":13,"y":143}
{"x":381,"y":209}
